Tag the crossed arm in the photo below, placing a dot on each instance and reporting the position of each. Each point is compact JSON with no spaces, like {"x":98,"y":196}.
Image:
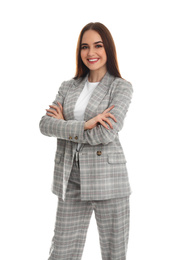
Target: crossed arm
{"x":101,"y":129}
{"x":57,"y":113}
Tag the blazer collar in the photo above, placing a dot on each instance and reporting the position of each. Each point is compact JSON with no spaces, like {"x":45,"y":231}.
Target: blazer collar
{"x":106,"y":80}
{"x":97,"y":95}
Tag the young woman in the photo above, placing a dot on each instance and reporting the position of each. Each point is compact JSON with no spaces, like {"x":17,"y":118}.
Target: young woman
{"x":90,"y":167}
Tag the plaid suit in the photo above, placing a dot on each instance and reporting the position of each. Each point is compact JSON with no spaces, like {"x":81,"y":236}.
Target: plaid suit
{"x":102,"y":162}
{"x":72,"y":221}
{"x":95,"y":178}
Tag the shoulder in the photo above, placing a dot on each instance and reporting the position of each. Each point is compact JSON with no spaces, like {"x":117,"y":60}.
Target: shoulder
{"x":65,"y":85}
{"x":120,"y":84}
{"x":72,"y":82}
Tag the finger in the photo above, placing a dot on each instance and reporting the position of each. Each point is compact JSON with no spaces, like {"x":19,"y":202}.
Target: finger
{"x":56,"y":108}
{"x":104,"y":124}
{"x":50,"y":114}
{"x":52,"y":111}
{"x":111,"y":115}
{"x":107,"y":121}
{"x":108,"y":109}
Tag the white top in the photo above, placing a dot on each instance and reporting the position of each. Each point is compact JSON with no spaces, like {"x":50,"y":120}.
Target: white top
{"x":82,"y":102}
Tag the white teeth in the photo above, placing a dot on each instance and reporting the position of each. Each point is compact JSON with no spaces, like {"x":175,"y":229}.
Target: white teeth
{"x":93,"y":59}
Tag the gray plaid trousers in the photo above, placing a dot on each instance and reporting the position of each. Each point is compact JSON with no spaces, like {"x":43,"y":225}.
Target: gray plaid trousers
{"x":72,"y":221}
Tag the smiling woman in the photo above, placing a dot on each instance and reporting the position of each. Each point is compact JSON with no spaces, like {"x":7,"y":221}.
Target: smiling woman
{"x":90,"y":172}
{"x":96,"y":42}
{"x":93,"y":54}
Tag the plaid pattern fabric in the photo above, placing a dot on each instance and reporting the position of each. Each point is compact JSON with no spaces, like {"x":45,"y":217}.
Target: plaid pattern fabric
{"x":73,"y":218}
{"x":102,"y":161}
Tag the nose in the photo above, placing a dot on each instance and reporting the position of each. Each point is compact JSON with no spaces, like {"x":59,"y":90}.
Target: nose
{"x":90,"y":52}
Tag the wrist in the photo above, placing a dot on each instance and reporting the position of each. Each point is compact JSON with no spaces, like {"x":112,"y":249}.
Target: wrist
{"x":85,"y":126}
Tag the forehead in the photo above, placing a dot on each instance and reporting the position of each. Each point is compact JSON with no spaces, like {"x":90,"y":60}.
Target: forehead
{"x":90,"y":37}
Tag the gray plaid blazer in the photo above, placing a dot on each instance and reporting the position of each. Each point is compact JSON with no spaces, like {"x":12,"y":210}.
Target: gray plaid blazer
{"x":101,"y":157}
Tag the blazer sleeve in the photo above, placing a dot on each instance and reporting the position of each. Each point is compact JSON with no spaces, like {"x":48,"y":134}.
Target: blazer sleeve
{"x":73,"y":130}
{"x":121,"y":99}
{"x":68,"y":130}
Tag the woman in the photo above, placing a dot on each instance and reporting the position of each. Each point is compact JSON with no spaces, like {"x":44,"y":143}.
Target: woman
{"x":90,"y":167}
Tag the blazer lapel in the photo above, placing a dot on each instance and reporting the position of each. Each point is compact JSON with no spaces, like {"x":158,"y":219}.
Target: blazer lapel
{"x":97,"y":95}
{"x":71,"y":98}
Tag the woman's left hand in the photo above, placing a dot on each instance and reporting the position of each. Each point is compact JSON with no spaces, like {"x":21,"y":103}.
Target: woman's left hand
{"x":101,"y":119}
{"x":56,"y":112}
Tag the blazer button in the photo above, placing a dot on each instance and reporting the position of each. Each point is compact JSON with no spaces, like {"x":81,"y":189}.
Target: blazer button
{"x":70,"y":137}
{"x":76,"y":137}
{"x":99,"y":153}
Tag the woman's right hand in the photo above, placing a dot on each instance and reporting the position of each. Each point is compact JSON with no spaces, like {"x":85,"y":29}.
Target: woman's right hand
{"x":56,"y":112}
{"x":100,"y":118}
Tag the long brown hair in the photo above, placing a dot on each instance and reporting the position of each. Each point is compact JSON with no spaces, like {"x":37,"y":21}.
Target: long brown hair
{"x":112,"y":63}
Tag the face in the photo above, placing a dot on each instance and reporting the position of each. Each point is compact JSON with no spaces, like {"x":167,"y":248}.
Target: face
{"x":92,"y":51}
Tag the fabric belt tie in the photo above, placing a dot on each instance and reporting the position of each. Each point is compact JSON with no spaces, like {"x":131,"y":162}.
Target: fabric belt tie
{"x":77,"y":156}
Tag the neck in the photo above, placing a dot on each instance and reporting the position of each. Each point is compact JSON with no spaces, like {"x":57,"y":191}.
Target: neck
{"x":96,"y":76}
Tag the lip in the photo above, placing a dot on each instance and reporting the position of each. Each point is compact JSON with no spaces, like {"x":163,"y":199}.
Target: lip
{"x":93,"y":60}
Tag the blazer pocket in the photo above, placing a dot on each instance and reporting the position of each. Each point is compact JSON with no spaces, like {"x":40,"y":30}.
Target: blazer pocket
{"x":116,"y":158}
{"x":58,"y":157}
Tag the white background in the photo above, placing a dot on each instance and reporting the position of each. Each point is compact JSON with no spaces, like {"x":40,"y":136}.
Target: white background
{"x":37,"y":53}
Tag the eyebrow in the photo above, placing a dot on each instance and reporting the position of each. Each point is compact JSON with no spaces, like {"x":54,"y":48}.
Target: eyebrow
{"x":94,"y":43}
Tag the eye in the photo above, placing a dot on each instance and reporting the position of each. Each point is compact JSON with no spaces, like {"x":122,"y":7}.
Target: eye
{"x":98,"y":46}
{"x":84,"y":47}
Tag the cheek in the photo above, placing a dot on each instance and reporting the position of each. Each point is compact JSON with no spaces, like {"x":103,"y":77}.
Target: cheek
{"x":82,"y":55}
{"x":103,"y":54}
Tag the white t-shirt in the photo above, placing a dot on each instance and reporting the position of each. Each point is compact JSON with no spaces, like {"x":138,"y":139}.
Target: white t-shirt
{"x":83,"y":100}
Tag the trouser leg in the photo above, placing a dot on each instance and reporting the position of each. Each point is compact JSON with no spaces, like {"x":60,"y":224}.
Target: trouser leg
{"x":112,"y":218}
{"x":72,"y":221}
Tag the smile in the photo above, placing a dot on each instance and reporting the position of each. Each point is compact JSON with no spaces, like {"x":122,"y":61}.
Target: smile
{"x":92,"y":60}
